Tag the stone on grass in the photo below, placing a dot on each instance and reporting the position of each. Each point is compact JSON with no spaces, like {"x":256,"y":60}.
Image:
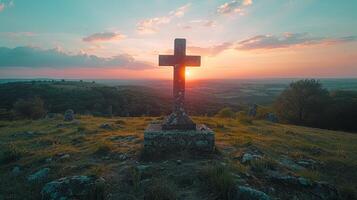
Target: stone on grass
{"x":247,"y":157}
{"x":39,"y":175}
{"x":271,"y":117}
{"x":248,"y":193}
{"x":106,"y":126}
{"x":69,"y":115}
{"x":252,"y":111}
{"x":74,"y":187}
{"x":16,"y":171}
{"x":158,"y":140}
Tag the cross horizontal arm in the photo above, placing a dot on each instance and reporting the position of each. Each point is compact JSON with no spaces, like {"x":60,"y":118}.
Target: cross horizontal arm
{"x":167,"y":60}
{"x":193,"y":61}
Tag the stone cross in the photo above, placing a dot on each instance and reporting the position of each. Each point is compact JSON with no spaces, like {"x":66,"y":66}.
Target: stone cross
{"x":179,"y":119}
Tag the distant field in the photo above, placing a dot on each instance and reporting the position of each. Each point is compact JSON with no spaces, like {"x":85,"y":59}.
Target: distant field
{"x":111,"y":152}
{"x":239,"y":91}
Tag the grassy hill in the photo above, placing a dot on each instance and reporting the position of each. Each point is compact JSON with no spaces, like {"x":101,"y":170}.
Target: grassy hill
{"x":114,"y":151}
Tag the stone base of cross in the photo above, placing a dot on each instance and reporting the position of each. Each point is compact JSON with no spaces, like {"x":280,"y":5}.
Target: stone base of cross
{"x":179,"y":120}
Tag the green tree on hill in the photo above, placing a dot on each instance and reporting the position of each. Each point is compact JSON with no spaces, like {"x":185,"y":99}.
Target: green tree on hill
{"x":303,"y":102}
{"x":32,"y":108}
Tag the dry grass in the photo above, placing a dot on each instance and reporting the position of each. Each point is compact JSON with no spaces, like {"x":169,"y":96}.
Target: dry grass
{"x":87,"y":146}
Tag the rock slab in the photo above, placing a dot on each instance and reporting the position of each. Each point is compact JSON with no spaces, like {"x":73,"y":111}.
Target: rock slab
{"x":158,"y":140}
{"x":74,"y":187}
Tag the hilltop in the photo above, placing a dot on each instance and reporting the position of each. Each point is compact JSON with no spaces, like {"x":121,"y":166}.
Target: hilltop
{"x":283,"y":161}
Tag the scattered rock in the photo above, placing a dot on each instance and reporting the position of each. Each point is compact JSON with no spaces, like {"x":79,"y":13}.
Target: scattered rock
{"x":65,"y":156}
{"x":39,"y":175}
{"x":271,"y":117}
{"x":307,"y":163}
{"x":123,"y":157}
{"x":248,"y":193}
{"x":120,"y":138}
{"x":252,"y":111}
{"x":179,"y":162}
{"x":142,"y":168}
{"x":247,"y":157}
{"x":106,"y":126}
{"x":75,"y":187}
{"x":50,"y":115}
{"x":25,"y":134}
{"x":16,"y":171}
{"x":325,"y":191}
{"x":291,"y":180}
{"x":286,"y":162}
{"x":69,"y":115}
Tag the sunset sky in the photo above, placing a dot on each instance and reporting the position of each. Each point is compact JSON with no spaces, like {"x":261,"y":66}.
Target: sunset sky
{"x":121,"y":39}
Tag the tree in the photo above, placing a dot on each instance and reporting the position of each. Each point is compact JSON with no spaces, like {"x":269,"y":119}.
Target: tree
{"x":31,"y":108}
{"x":303,"y":102}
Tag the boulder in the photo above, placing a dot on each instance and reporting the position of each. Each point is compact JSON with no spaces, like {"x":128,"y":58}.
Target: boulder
{"x":69,"y":115}
{"x":74,"y":187}
{"x":271,"y":117}
{"x":16,"y":171}
{"x":248,"y":193}
{"x":39,"y":175}
{"x":247,"y":157}
{"x":106,"y":126}
{"x":252,"y":111}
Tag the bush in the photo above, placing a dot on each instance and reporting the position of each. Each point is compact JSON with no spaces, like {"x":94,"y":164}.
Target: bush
{"x":226,"y":113}
{"x":218,"y":179}
{"x":32,"y":108}
{"x":303,"y":102}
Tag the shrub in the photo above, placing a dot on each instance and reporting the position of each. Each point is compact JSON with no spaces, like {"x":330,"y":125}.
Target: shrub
{"x":32,"y":108}
{"x":219,"y":180}
{"x":226,"y":113}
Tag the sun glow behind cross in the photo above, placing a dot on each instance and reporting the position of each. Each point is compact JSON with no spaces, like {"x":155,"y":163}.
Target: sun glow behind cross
{"x":187,"y":73}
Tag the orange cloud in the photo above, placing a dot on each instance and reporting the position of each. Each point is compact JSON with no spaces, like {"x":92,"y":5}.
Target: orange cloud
{"x":104,"y":37}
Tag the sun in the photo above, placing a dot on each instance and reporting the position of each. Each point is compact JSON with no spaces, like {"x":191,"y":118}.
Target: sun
{"x":187,"y":73}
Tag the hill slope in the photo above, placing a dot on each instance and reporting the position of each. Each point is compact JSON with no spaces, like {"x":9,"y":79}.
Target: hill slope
{"x":260,"y":155}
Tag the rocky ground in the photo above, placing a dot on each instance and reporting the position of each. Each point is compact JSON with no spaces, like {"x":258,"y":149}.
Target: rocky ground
{"x":102,"y":158}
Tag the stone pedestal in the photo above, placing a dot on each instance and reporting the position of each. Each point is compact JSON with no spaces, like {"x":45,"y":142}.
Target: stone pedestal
{"x":158,"y":140}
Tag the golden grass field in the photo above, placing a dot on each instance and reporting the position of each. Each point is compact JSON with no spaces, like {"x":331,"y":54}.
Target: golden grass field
{"x":107,"y":152}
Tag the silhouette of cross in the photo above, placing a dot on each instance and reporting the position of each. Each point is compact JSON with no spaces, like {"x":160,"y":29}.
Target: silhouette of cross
{"x":179,"y":119}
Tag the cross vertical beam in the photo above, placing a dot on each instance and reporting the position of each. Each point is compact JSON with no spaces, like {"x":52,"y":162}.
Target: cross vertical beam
{"x":179,"y":119}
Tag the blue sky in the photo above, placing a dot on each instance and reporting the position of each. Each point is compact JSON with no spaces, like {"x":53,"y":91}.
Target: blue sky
{"x":241,"y":38}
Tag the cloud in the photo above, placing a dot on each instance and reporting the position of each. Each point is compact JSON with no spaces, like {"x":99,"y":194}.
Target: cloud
{"x":151,"y":25}
{"x":6,"y":4}
{"x":210,"y":51}
{"x":235,"y":6}
{"x":54,"y":58}
{"x":18,"y":34}
{"x":288,"y":40}
{"x":179,"y":12}
{"x":104,"y":37}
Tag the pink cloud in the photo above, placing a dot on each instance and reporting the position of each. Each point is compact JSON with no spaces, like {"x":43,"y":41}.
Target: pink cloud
{"x":2,"y":6}
{"x":151,"y":25}
{"x":104,"y":37}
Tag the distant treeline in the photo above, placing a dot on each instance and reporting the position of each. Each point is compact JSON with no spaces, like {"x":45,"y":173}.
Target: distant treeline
{"x":97,"y":99}
{"x":303,"y":102}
